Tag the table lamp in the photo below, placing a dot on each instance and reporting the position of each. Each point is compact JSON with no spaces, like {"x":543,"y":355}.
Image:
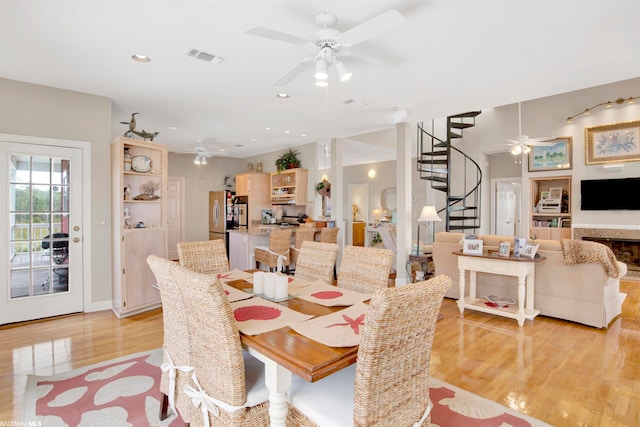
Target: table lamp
{"x":376,"y":214}
{"x":428,"y":214}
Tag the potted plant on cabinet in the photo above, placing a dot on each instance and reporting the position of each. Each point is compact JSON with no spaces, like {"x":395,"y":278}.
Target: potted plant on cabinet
{"x":288,"y":160}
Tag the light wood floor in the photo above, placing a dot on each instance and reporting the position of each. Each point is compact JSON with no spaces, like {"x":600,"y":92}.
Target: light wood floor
{"x":562,"y":373}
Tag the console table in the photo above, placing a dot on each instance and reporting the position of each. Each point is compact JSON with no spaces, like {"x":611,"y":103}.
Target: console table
{"x":491,"y":262}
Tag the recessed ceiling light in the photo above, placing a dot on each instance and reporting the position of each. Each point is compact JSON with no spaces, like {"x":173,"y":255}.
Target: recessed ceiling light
{"x":267,"y":128}
{"x":283,"y":95}
{"x":304,"y":134}
{"x":172,"y":128}
{"x":140,"y":58}
{"x":287,"y":131}
{"x":253,"y":139}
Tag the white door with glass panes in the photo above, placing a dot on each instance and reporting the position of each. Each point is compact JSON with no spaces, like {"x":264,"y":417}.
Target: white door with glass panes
{"x":42,"y":249}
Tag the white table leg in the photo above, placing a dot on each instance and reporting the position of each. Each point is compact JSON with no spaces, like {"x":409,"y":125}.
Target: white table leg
{"x":462,"y":286}
{"x":521,"y":293}
{"x":473,"y":280}
{"x":531,"y":280}
{"x":278,"y":381}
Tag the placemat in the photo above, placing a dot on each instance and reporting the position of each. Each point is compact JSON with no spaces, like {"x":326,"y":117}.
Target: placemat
{"x":257,"y":315}
{"x":234,"y":294}
{"x":233,"y":275}
{"x":340,"y":329}
{"x":331,"y":296}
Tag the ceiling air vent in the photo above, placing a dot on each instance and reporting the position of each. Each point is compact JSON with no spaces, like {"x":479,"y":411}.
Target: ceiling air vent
{"x":354,"y":103}
{"x":204,"y":56}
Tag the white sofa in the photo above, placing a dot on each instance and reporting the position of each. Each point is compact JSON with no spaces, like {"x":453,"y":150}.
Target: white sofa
{"x":581,"y":293}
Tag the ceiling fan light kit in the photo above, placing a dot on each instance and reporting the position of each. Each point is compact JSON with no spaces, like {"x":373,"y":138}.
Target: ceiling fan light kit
{"x":523,"y":144}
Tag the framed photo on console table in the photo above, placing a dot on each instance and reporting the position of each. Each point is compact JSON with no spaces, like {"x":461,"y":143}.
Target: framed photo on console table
{"x":529,"y":250}
{"x":504,"y":249}
{"x":616,"y":142}
{"x":555,"y":155}
{"x":472,"y":247}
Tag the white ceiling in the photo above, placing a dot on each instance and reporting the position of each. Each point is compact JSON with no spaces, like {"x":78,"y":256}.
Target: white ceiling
{"x":451,"y":56}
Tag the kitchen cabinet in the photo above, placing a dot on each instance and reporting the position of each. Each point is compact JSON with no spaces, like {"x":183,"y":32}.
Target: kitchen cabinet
{"x":254,"y":186}
{"x":358,"y":233}
{"x":289,"y":187}
{"x":139,"y":222}
{"x":550,"y":221}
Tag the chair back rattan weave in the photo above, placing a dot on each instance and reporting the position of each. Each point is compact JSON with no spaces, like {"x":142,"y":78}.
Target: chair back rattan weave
{"x":207,"y":256}
{"x":365,"y":269}
{"x":176,"y":336}
{"x":316,"y":261}
{"x":392,"y":375}
{"x":303,"y":234}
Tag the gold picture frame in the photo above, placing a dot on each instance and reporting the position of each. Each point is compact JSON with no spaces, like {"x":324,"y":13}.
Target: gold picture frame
{"x":612,"y":143}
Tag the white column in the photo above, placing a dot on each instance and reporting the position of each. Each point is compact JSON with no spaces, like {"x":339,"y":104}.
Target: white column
{"x":404,"y":171}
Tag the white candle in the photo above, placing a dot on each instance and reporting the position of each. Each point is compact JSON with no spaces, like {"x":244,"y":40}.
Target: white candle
{"x":282,"y":287}
{"x":258,"y":282}
{"x":270,"y":285}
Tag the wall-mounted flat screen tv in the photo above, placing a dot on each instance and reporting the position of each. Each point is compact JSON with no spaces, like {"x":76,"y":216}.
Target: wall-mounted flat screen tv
{"x":610,"y":194}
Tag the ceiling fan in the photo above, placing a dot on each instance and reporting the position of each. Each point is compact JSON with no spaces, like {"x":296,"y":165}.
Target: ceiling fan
{"x":202,"y":154}
{"x":523,"y":143}
{"x":325,"y":49}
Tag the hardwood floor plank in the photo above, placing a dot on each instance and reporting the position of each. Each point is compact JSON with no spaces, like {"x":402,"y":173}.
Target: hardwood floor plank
{"x":560,"y":372}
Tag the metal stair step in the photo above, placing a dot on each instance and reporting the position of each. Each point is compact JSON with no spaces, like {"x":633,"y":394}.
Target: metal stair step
{"x":461,"y":218}
{"x":435,"y":178}
{"x":467,"y":114}
{"x":435,"y":153}
{"x":461,"y":125}
{"x":461,"y":208}
{"x":433,"y":161}
{"x":462,"y":227}
{"x":440,"y":188}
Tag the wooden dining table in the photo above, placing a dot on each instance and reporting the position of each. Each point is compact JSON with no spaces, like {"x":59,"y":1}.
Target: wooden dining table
{"x":285,"y":352}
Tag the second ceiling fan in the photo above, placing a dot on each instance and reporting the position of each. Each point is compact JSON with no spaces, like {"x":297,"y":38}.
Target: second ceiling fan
{"x":325,"y":49}
{"x":523,"y":143}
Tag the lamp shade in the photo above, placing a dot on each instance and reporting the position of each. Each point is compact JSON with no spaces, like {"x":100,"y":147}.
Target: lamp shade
{"x":376,"y":213}
{"x":429,"y":214}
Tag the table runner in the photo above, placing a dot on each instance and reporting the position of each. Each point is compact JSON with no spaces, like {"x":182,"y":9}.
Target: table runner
{"x":340,"y":329}
{"x":256,"y":316}
{"x":331,"y":296}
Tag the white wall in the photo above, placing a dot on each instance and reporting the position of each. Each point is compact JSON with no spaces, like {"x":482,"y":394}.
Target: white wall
{"x":34,"y":110}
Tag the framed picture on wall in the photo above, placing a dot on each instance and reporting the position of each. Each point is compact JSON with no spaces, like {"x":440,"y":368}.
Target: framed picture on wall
{"x":617,"y":142}
{"x":553,"y":155}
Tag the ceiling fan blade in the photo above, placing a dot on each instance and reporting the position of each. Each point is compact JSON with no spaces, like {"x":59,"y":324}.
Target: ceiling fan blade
{"x":295,"y":71}
{"x":374,"y":27}
{"x":515,"y":141}
{"x":276,"y":35}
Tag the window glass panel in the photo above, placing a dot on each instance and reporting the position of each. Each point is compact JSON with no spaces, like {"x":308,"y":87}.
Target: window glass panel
{"x":41,"y":170}
{"x":41,"y":198}
{"x":40,"y":225}
{"x":20,"y":198}
{"x":19,"y":168}
{"x":19,"y":226}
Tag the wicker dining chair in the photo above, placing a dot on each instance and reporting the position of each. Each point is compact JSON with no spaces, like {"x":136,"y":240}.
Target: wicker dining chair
{"x":303,"y":234}
{"x":387,"y":387}
{"x":223,"y":374}
{"x":277,"y":254}
{"x":365,"y":269}
{"x":329,"y":234}
{"x":176,"y":365}
{"x":316,"y":261}
{"x":207,"y":256}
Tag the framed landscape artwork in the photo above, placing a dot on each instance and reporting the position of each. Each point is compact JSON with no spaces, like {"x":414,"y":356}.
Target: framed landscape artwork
{"x":551,"y":157}
{"x":616,"y":142}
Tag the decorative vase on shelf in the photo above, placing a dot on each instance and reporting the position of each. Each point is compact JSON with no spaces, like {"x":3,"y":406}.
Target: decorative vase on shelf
{"x":127,"y":160}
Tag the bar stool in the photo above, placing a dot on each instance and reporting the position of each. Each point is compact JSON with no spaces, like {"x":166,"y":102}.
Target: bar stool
{"x":277,"y":255}
{"x":303,"y":234}
{"x":330,"y":235}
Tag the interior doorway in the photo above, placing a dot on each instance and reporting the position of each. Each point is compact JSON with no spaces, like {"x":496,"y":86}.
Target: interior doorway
{"x":506,"y":202}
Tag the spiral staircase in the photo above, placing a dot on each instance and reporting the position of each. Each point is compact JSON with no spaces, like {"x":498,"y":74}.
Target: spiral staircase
{"x":452,"y":172}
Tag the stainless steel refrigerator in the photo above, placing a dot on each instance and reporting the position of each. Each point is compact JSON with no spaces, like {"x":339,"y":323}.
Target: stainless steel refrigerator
{"x":221,"y":215}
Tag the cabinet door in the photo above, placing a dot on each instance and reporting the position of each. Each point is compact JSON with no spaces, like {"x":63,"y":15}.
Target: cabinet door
{"x":138,"y":279}
{"x":242,"y":184}
{"x":358,"y":234}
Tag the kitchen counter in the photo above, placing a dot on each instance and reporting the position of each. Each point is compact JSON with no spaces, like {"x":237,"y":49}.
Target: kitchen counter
{"x":263,"y":229}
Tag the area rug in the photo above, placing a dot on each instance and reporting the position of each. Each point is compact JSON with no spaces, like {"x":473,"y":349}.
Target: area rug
{"x":125,"y":392}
